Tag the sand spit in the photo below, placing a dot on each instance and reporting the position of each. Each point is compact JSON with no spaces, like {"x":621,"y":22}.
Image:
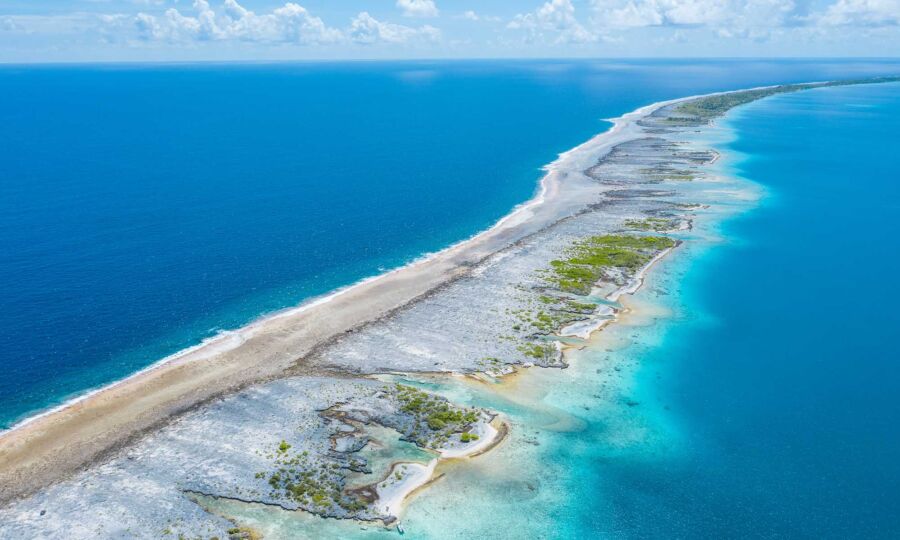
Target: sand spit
{"x":226,"y":418}
{"x":403,"y":479}
{"x":406,"y":478}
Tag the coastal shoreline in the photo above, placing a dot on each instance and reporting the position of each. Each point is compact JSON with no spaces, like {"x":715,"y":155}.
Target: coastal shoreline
{"x":75,"y":433}
{"x":393,"y":497}
{"x":230,"y":339}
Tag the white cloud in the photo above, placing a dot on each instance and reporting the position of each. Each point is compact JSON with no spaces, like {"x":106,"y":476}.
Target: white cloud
{"x":631,"y":15}
{"x":635,"y":13}
{"x":470,"y":15}
{"x":236,"y":11}
{"x":555,"y":22}
{"x":756,"y":19}
{"x":699,"y":12}
{"x":725,"y":27}
{"x":418,"y":8}
{"x":366,"y":29}
{"x":860,"y":13}
{"x":290,"y":23}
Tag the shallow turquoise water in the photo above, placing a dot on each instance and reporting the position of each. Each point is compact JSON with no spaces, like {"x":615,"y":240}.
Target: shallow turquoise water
{"x":784,"y":376}
{"x":146,"y":207}
{"x":755,"y":393}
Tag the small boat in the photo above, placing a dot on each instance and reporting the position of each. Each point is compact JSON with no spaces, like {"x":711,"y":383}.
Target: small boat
{"x":400,"y":528}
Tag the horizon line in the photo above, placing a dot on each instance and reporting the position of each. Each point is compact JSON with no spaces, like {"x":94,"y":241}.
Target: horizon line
{"x":4,"y":63}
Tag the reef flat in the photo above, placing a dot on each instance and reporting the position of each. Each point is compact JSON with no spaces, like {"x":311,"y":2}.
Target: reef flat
{"x":609,"y":210}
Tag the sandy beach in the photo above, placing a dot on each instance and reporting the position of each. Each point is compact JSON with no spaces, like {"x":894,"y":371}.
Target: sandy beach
{"x":56,"y":444}
{"x":402,"y":479}
{"x":405,"y":478}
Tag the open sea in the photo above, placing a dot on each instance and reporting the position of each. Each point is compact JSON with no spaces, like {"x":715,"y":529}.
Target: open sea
{"x":145,"y":208}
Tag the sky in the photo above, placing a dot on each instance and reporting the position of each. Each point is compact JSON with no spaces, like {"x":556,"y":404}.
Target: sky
{"x":221,"y":30}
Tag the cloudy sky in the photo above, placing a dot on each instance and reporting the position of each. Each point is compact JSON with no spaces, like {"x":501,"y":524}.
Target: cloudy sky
{"x":134,"y":30}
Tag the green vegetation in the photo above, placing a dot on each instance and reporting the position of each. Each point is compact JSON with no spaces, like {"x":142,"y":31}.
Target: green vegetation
{"x":243,"y":533}
{"x":439,"y":416}
{"x":706,"y":108}
{"x":589,"y":258}
{"x":651,"y":224}
{"x":667,"y":173}
{"x":316,"y":487}
{"x":553,"y":313}
{"x":580,"y":307}
{"x":538,"y":351}
{"x":468,"y":437}
{"x":489,"y":362}
{"x":587,"y":262}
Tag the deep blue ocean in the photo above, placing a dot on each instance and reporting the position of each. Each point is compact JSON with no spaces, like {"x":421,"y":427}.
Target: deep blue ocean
{"x":146,"y":207}
{"x":784,"y":374}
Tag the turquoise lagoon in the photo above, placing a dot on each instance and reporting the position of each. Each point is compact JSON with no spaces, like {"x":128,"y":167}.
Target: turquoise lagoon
{"x":753,"y":390}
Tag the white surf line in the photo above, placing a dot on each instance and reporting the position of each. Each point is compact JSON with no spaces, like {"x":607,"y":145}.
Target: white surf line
{"x":221,"y":342}
{"x":231,"y":339}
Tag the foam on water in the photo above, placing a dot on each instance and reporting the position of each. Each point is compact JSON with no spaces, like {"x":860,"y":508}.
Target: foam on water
{"x":198,"y":220}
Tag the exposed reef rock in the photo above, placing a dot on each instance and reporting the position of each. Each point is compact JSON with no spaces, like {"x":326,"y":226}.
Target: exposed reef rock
{"x":299,"y":442}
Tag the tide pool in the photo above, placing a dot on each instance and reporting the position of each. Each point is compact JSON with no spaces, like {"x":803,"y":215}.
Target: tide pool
{"x":751,"y":391}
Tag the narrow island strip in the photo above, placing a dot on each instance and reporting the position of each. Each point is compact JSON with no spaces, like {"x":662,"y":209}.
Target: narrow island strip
{"x":279,"y":409}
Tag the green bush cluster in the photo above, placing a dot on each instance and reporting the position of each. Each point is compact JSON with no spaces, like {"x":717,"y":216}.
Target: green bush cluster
{"x":557,"y":312}
{"x":668,"y":173}
{"x":590,"y":257}
{"x":713,"y":106}
{"x":538,"y":351}
{"x":435,"y":413}
{"x":298,"y":479}
{"x":242,"y":533}
{"x":587,"y":261}
{"x":575,"y":305}
{"x":709,"y":107}
{"x":651,"y":224}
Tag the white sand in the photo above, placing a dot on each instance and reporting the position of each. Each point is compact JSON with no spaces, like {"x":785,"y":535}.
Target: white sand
{"x":486,"y":436}
{"x":392,"y":491}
